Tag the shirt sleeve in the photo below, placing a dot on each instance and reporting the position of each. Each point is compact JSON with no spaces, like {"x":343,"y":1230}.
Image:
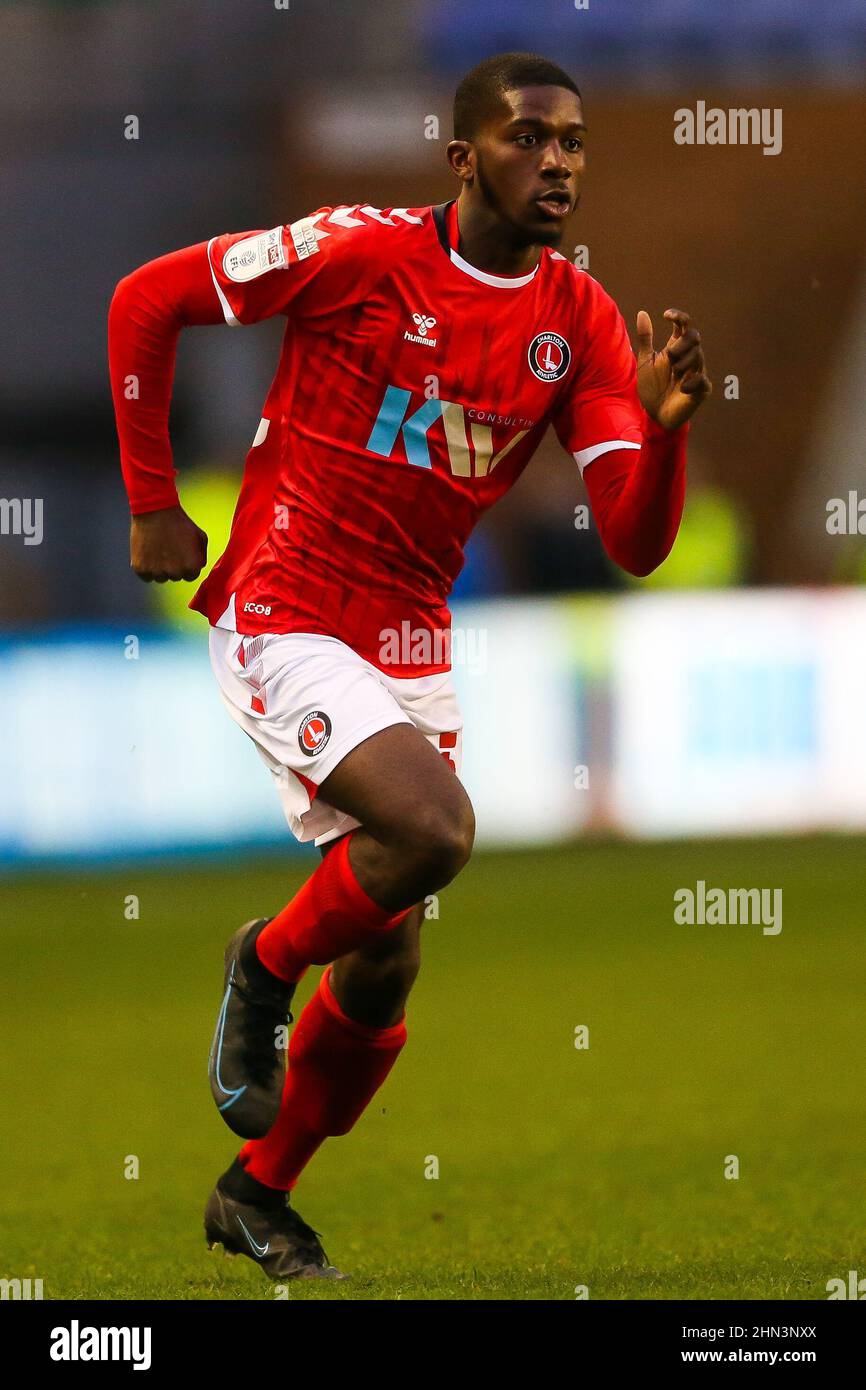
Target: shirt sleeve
{"x":148,"y":310}
{"x":307,"y":269}
{"x":637,"y":497}
{"x":310,"y":269}
{"x":601,"y":410}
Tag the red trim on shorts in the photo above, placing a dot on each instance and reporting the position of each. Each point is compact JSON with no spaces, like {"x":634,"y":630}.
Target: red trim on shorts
{"x":311,"y":789}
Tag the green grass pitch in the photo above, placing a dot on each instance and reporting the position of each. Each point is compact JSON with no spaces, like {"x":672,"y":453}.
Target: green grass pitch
{"x":558,"y":1167}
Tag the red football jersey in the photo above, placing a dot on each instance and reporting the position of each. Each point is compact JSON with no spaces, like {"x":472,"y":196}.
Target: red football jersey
{"x":411,"y":392}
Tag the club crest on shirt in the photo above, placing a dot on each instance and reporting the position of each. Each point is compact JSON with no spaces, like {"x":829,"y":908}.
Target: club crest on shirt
{"x":549,"y":356}
{"x":314,"y":733}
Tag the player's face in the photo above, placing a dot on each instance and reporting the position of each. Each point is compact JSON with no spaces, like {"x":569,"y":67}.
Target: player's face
{"x":530,"y":162}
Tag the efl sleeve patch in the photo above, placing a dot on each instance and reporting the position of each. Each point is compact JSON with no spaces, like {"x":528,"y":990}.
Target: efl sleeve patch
{"x":255,"y":256}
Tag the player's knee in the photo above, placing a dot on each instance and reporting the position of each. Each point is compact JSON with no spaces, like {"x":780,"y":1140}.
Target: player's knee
{"x":441,"y":843}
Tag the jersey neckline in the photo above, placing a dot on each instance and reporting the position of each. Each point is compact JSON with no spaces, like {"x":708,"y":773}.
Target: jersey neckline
{"x":501,"y":282}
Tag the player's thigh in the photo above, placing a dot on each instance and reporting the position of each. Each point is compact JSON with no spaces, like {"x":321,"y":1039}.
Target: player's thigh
{"x":401,"y":789}
{"x":305,"y":701}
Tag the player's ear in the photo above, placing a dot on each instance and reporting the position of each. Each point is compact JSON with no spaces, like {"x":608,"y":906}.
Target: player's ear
{"x":461,"y":156}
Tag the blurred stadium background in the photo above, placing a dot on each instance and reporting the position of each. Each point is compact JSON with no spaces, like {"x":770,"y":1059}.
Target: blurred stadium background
{"x":722,"y":698}
{"x":747,"y":637}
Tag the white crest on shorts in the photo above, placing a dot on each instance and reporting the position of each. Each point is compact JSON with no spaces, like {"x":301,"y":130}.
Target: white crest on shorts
{"x":314,"y":733}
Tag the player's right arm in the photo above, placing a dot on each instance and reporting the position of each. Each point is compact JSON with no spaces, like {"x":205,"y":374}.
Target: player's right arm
{"x":147,"y":312}
{"x":307,"y":269}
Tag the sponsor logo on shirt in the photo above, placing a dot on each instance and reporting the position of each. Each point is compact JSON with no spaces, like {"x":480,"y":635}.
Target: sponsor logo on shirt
{"x":304,"y":236}
{"x":468,"y":441}
{"x":549,"y":356}
{"x":314,"y":733}
{"x":423,"y":322}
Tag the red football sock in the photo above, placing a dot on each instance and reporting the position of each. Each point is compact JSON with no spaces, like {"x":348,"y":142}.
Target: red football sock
{"x":335,"y":1068}
{"x":329,"y":916}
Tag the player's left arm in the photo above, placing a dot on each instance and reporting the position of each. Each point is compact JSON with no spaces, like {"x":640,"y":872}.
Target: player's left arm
{"x":626,"y":421}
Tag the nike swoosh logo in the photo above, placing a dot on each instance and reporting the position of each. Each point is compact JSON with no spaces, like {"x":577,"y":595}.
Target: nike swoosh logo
{"x":257,"y":1249}
{"x":217,"y":1047}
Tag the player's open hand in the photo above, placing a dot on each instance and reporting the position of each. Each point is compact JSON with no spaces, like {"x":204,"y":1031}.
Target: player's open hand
{"x":671,"y":383}
{"x":166,"y":545}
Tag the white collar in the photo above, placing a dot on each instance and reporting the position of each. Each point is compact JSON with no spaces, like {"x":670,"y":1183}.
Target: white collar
{"x":503,"y":282}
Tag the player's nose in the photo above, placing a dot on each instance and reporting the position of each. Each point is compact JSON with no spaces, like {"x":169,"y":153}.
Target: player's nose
{"x":554,"y":162}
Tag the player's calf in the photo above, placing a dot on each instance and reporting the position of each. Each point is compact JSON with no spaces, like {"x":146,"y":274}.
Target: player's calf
{"x":372,"y":984}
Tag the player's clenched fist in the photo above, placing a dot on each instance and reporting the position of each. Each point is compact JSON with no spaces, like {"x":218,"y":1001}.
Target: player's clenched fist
{"x":671,"y":383}
{"x":166,"y":545}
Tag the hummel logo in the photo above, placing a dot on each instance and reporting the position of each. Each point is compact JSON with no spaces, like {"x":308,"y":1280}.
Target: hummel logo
{"x":259,"y":1250}
{"x":424,"y":323}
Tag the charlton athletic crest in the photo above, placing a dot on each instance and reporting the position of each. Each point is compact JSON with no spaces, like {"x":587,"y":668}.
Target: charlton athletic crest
{"x":314,"y":733}
{"x":549,"y":356}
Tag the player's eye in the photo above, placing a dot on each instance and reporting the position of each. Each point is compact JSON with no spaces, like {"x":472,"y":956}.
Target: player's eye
{"x":573,"y":144}
{"x":526,"y":136}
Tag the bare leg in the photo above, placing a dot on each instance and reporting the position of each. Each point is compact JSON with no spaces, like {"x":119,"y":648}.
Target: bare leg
{"x":372,"y":985}
{"x":417,"y":821}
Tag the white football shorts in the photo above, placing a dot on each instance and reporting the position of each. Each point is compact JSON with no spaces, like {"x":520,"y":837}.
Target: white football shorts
{"x":307,"y":700}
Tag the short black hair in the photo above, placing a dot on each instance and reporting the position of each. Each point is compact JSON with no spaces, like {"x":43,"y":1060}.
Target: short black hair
{"x":483,"y":89}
